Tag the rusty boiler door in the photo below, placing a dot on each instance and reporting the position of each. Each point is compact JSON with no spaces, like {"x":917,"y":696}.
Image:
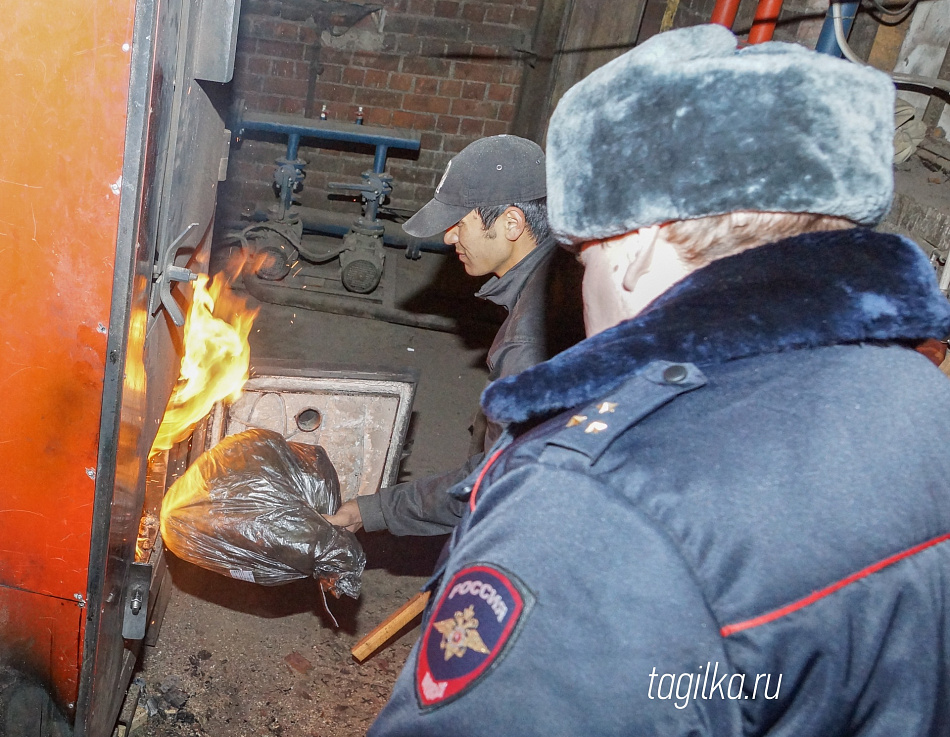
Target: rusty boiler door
{"x":109,"y":167}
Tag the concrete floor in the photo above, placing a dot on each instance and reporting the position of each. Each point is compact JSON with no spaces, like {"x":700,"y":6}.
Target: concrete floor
{"x":253,"y":660}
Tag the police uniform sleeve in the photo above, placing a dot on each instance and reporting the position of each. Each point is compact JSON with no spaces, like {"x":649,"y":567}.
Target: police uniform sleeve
{"x":563,"y":610}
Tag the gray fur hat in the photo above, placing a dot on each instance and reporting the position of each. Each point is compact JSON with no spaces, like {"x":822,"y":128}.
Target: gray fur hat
{"x":685,"y":126}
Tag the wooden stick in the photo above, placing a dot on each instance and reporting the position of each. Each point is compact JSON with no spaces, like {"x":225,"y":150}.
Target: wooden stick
{"x":395,"y":622}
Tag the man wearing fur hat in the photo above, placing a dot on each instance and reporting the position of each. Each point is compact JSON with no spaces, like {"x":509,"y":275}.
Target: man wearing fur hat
{"x":720,"y":514}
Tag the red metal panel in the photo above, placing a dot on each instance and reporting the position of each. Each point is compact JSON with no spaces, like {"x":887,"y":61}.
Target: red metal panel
{"x":41,"y":639}
{"x":63,"y":100}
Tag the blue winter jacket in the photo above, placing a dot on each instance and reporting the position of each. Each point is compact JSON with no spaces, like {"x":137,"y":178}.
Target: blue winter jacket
{"x":728,"y":516}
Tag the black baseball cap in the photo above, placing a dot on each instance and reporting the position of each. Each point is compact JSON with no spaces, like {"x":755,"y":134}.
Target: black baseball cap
{"x":499,"y":170}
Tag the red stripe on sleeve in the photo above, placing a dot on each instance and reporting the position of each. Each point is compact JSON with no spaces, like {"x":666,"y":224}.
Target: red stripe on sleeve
{"x":731,"y":629}
{"x":478,"y":481}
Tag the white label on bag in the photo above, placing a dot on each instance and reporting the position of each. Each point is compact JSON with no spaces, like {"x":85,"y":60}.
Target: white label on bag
{"x":241,"y":575}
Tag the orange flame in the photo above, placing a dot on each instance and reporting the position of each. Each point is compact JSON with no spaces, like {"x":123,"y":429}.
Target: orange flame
{"x":216,"y":360}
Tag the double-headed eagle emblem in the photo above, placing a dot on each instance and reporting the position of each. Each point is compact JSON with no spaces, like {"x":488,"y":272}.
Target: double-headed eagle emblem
{"x":460,"y":634}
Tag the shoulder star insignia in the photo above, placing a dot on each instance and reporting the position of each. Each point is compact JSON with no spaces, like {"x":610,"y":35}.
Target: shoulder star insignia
{"x":606,"y":407}
{"x":460,"y":634}
{"x":576,"y":420}
{"x":596,"y":427}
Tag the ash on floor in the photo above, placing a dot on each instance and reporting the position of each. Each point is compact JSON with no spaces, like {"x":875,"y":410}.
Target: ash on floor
{"x":244,"y":660}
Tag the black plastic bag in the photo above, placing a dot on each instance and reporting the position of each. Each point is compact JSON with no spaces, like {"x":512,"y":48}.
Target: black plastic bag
{"x":251,"y":508}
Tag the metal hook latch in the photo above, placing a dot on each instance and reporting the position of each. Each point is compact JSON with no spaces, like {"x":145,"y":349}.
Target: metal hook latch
{"x":165,"y":272}
{"x":135,"y":617}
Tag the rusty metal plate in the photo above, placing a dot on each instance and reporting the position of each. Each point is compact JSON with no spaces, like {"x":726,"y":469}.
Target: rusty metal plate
{"x":41,"y":639}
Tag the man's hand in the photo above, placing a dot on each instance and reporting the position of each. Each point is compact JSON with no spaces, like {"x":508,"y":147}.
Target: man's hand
{"x":347,"y":516}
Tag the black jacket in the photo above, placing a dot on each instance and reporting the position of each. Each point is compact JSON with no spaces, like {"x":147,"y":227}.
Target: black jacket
{"x":545,"y":316}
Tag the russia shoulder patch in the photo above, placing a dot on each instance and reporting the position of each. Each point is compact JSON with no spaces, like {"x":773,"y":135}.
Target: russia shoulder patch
{"x":468,"y":631}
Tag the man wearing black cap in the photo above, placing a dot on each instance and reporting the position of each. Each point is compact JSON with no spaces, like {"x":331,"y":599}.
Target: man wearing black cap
{"x":718,"y":514}
{"x":490,"y":203}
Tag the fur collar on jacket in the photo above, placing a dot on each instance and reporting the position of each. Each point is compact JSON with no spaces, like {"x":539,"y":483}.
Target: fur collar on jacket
{"x":812,"y":290}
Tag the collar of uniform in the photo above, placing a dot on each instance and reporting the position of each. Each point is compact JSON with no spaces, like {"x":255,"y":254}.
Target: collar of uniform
{"x":505,"y":290}
{"x":812,"y":290}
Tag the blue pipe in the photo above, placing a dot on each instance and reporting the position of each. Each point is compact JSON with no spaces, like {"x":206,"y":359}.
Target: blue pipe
{"x":296,"y":128}
{"x":379,"y":161}
{"x":293,"y":145}
{"x":827,"y":43}
{"x":329,"y":130}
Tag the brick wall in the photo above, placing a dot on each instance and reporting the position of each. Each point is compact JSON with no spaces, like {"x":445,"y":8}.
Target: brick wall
{"x":450,"y":69}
